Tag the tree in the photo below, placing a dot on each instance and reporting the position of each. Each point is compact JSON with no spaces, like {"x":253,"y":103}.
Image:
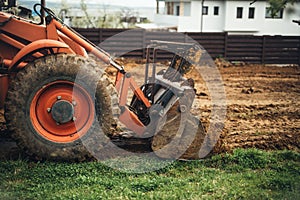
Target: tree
{"x":84,"y":9}
{"x":277,"y":5}
{"x":64,"y":9}
{"x":128,"y":17}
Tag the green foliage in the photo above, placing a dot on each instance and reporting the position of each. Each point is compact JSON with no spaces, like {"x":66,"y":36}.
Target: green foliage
{"x":277,"y":5}
{"x":83,"y":7}
{"x":244,"y":174}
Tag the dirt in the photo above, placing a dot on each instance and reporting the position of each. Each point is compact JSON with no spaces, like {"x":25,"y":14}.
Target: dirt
{"x":263,"y":107}
{"x":8,"y":148}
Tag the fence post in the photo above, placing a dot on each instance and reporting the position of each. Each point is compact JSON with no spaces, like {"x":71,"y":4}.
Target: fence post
{"x":263,"y":53}
{"x":100,"y":35}
{"x":299,"y":51}
{"x":225,"y":44}
{"x":186,"y":37}
{"x":144,"y":43}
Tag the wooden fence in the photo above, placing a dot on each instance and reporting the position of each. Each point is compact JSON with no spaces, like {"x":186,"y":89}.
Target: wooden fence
{"x":244,"y":48}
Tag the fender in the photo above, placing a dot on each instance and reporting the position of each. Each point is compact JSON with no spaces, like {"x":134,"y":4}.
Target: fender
{"x":34,"y":47}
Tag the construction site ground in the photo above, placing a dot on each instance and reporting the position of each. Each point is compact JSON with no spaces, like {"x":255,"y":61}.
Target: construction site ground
{"x":263,"y":107}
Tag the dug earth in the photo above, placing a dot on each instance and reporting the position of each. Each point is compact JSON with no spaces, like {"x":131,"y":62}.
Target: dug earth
{"x":263,"y":108}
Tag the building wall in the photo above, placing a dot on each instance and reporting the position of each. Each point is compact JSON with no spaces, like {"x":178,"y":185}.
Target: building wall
{"x":260,"y":25}
{"x":187,"y":9}
{"x":175,"y":8}
{"x":227,"y":19}
{"x":244,"y":24}
{"x":211,"y":22}
{"x":284,"y":26}
{"x":191,"y":23}
{"x":166,"y":20}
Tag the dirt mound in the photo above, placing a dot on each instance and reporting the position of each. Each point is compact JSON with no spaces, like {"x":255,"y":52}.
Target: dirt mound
{"x":263,"y":108}
{"x":266,"y":127}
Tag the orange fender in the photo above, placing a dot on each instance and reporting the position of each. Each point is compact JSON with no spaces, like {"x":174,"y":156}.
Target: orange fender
{"x":34,"y":47}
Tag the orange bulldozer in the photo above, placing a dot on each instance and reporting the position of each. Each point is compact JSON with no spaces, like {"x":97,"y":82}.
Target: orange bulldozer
{"x":56,"y":97}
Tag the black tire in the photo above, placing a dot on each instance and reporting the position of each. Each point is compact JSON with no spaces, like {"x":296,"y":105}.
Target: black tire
{"x":55,"y":68}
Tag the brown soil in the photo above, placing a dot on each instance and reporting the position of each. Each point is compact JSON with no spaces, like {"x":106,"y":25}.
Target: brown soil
{"x":8,"y":148}
{"x":263,"y":106}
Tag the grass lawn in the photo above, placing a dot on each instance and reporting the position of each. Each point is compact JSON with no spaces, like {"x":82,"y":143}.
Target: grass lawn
{"x":244,"y":174}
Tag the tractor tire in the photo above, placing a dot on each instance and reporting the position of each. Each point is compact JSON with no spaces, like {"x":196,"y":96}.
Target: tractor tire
{"x":54,"y":110}
{"x":176,"y":142}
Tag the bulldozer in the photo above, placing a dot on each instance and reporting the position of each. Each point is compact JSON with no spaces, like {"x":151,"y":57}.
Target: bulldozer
{"x":56,"y":97}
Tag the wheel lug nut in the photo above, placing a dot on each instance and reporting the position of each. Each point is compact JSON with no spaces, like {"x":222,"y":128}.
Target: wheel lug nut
{"x":183,"y":108}
{"x":74,"y":103}
{"x":58,"y":97}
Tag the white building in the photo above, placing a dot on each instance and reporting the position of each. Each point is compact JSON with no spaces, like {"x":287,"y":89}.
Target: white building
{"x":232,"y":16}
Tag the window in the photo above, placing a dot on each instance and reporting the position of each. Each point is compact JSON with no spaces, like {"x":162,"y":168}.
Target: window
{"x":187,"y":9}
{"x":177,"y":10}
{"x":205,"y":10}
{"x":170,"y":8}
{"x":277,"y":15}
{"x":251,"y":13}
{"x":239,"y":12}
{"x":216,"y":10}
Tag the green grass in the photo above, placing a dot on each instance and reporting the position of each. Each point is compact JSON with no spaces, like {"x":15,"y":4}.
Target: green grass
{"x":244,"y":174}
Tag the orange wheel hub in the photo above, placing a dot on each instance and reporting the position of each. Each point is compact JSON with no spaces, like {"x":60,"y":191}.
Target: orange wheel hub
{"x":62,"y":111}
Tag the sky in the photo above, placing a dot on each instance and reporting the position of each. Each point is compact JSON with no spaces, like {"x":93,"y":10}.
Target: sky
{"x":127,"y":3}
{"x":131,"y":3}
